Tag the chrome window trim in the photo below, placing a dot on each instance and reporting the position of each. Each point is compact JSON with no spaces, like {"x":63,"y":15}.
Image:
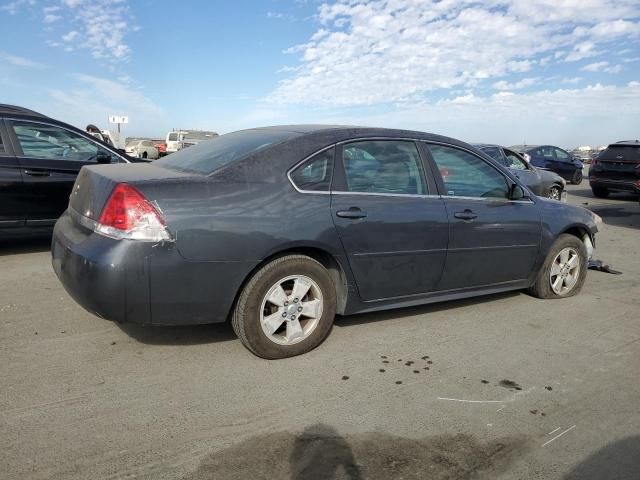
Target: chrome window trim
{"x":374,"y":194}
{"x":301,"y":162}
{"x":436,"y":142}
{"x":44,"y":122}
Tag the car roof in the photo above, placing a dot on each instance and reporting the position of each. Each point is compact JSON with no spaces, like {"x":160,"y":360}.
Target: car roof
{"x":6,"y":109}
{"x":483,"y":145}
{"x":627,"y":143}
{"x":524,"y":148}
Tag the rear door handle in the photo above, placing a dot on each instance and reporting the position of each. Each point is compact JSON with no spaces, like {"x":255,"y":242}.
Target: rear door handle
{"x":38,"y":173}
{"x":466,"y":215}
{"x":353,"y":212}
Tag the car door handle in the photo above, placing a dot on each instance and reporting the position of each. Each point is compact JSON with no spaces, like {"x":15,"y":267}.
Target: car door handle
{"x":353,"y":212}
{"x":466,"y":215}
{"x":38,"y":173}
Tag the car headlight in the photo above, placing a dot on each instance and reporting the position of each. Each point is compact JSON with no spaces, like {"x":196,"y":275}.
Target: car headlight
{"x":597,"y":219}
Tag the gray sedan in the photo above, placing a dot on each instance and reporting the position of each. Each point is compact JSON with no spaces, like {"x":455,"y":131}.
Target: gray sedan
{"x":279,"y":229}
{"x":544,"y":183}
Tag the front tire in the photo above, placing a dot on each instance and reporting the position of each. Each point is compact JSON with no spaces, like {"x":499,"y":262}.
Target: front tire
{"x":555,"y":192}
{"x":577,"y":177}
{"x":287,"y":308}
{"x":564,"y":270}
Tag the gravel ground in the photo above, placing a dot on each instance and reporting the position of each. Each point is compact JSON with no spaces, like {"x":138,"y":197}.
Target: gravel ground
{"x":505,"y":386}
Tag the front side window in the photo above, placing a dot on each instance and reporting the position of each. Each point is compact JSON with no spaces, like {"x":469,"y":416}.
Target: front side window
{"x":561,"y":155}
{"x":40,"y":140}
{"x":383,"y":166}
{"x":315,"y":174}
{"x":465,"y":175}
{"x":514,"y":161}
{"x":1,"y":144}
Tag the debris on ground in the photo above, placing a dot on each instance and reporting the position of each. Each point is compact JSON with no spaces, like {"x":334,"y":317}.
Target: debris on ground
{"x":601,"y":267}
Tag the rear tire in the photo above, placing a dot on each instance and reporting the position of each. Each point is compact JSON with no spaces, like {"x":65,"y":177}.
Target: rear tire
{"x":555,"y":280}
{"x":144,"y":155}
{"x":264,"y":318}
{"x":577,"y":177}
{"x":600,"y":192}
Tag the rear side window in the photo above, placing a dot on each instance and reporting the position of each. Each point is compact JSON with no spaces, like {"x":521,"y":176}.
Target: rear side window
{"x":315,"y":174}
{"x":1,"y":144}
{"x":621,"y":153}
{"x":465,"y":175}
{"x":384,"y":166}
{"x":206,"y":157}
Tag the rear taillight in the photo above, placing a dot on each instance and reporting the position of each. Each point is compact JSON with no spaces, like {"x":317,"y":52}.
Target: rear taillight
{"x":128,"y":215}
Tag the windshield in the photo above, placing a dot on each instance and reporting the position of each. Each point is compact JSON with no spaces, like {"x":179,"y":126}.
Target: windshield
{"x":207,"y":157}
{"x":173,"y":137}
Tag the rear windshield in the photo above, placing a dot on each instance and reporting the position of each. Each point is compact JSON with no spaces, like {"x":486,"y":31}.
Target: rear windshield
{"x":209,"y":156}
{"x":625,"y":153}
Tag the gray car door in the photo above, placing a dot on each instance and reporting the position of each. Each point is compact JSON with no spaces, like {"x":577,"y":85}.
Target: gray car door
{"x":394,"y":230}
{"x":492,"y":239}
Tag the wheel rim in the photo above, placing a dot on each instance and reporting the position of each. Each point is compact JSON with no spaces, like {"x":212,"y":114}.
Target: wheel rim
{"x":291,"y":310}
{"x":554,"y":193}
{"x":565,"y":270}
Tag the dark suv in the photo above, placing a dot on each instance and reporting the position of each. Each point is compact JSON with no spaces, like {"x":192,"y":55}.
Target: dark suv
{"x":39,"y":160}
{"x":617,"y":168}
{"x":552,"y":158}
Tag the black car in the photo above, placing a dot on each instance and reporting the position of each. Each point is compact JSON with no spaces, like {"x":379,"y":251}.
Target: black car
{"x":617,"y":169}
{"x":541,"y":182}
{"x":552,"y":158}
{"x":39,"y":160}
{"x":281,"y":228}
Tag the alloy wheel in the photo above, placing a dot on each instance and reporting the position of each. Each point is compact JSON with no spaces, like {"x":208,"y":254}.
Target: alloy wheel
{"x":565,"y":271}
{"x":555,"y":193}
{"x":291,"y":309}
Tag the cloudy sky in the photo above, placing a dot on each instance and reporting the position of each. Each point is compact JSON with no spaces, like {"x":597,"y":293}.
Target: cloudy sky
{"x":565,"y":72}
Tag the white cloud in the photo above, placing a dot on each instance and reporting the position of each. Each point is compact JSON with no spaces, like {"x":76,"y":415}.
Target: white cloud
{"x":17,"y":61}
{"x":92,"y":99}
{"x":50,"y":18}
{"x":14,"y":7}
{"x":602,"y":67}
{"x":525,"y":82}
{"x":580,"y":116}
{"x":572,"y":80}
{"x":387,"y":51}
{"x":71,"y":36}
{"x":595,"y":67}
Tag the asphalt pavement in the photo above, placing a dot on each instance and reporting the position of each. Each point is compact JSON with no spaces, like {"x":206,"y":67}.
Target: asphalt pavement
{"x":500,"y":387}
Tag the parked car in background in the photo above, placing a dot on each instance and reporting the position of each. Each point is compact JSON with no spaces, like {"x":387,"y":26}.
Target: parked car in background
{"x":552,"y":158}
{"x":161,"y":145}
{"x":179,"y":139}
{"x":40,"y":158}
{"x":617,"y":169}
{"x":142,"y":149}
{"x":541,"y":182}
{"x":281,"y":228}
{"x":585,"y":156}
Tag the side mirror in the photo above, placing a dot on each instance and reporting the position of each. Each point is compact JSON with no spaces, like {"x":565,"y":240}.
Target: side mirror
{"x":517,"y":193}
{"x":102,"y":157}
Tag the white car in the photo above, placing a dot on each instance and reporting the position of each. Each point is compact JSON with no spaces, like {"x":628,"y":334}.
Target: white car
{"x":142,"y":149}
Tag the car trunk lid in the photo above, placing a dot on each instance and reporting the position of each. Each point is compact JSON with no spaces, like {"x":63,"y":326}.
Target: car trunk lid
{"x":95,"y":183}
